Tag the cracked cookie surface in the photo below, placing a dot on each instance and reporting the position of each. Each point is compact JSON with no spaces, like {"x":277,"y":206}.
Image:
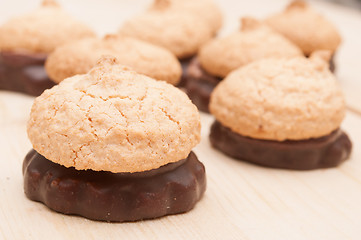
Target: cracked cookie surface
{"x":280,"y":99}
{"x":113,"y":119}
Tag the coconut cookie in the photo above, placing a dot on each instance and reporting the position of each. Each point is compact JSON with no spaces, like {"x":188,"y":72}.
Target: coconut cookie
{"x":283,"y":113}
{"x":206,"y":10}
{"x":176,"y":25}
{"x":79,"y":57}
{"x":306,"y":28}
{"x":220,"y":56}
{"x":181,"y":26}
{"x":26,"y":41}
{"x":117,"y":146}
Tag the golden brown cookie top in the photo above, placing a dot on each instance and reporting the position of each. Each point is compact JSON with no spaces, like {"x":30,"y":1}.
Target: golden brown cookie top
{"x":41,"y":30}
{"x":279,"y":99}
{"x":306,"y":28}
{"x":254,"y":41}
{"x":113,"y":119}
{"x":80,"y":56}
{"x":207,"y":10}
{"x":180,"y":26}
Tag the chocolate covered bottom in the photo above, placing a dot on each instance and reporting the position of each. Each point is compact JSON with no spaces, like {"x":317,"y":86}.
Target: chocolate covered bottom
{"x":24,"y":72}
{"x":184,"y":64}
{"x":115,"y":197}
{"x":332,"y":64}
{"x":200,"y":85}
{"x":325,"y":152}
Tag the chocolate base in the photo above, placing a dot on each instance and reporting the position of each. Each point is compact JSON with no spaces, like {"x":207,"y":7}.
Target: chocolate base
{"x":115,"y":197}
{"x":24,"y":72}
{"x":184,"y":64}
{"x":332,"y":64}
{"x":200,"y":85}
{"x":325,"y":152}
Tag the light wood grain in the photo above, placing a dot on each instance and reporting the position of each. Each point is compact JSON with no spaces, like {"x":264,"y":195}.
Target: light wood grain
{"x":242,"y":201}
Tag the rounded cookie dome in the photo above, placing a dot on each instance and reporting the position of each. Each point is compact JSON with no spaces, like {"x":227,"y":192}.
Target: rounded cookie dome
{"x":42,"y":30}
{"x":181,"y":32}
{"x":306,"y":28}
{"x":80,"y":56}
{"x":254,"y":41}
{"x":113,"y":119}
{"x":280,"y":98}
{"x":206,"y":10}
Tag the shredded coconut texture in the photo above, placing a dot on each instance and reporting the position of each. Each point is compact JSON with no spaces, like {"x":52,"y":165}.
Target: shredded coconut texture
{"x":280,"y":99}
{"x":113,"y":119}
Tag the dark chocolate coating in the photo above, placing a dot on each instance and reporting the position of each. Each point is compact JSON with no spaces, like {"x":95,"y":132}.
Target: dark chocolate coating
{"x":184,"y":64}
{"x":115,"y":197}
{"x":200,"y":85}
{"x":24,"y":72}
{"x":324,"y":152}
{"x":332,"y":64}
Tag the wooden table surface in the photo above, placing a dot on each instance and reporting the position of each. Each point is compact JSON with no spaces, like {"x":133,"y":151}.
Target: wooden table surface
{"x":242,"y":201}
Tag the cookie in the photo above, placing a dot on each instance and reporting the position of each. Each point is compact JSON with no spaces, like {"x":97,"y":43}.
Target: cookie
{"x":306,"y":28}
{"x":113,"y":119}
{"x":207,"y":10}
{"x":26,"y":41}
{"x":254,"y":41}
{"x":114,"y":145}
{"x":281,"y":100}
{"x":79,"y":57}
{"x":176,"y":25}
{"x":220,"y":56}
{"x":41,"y":30}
